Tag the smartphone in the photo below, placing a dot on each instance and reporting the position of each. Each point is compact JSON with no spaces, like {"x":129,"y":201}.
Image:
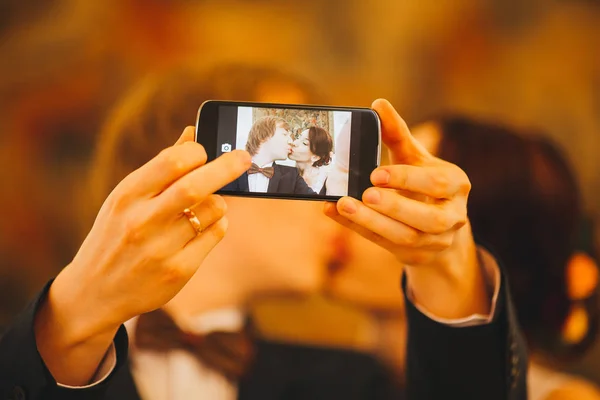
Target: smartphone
{"x":302,"y":152}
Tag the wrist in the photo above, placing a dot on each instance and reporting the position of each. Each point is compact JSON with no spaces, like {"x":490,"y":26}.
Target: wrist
{"x":453,"y":284}
{"x":70,"y":316}
{"x":70,"y":339}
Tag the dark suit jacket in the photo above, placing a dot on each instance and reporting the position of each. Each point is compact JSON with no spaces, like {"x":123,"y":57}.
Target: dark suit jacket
{"x":480,"y":362}
{"x":292,"y":372}
{"x":285,"y":180}
{"x":323,"y":191}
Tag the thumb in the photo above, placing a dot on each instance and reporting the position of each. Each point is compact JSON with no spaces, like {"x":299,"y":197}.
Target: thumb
{"x":188,"y":135}
{"x":403,"y":147}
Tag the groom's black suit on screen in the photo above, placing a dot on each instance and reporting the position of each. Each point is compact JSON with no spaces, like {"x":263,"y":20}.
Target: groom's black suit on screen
{"x":285,"y":180}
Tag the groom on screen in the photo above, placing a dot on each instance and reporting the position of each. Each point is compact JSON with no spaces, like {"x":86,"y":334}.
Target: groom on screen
{"x":269,"y":140}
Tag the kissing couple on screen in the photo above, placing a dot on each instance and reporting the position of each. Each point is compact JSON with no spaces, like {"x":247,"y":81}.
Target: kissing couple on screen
{"x":316,"y":172}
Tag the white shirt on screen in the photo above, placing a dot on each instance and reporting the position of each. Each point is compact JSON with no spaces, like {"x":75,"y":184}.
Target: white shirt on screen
{"x":258,"y":183}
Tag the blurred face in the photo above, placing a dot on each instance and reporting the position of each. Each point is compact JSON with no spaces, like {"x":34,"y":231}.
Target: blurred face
{"x":272,"y":247}
{"x":301,"y":149}
{"x":279,"y":145}
{"x":367,"y":275}
{"x":281,"y":245}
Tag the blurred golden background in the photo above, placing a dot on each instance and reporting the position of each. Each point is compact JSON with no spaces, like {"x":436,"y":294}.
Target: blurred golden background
{"x":534,"y":64}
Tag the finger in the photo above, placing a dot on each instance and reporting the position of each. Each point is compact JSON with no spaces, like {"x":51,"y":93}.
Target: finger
{"x":188,"y":260}
{"x":188,"y":135}
{"x":403,"y":148}
{"x":386,"y":228}
{"x":167,"y":167}
{"x":330,"y":209}
{"x":331,"y":212}
{"x":170,"y":236}
{"x":380,"y":228}
{"x":410,"y":255}
{"x":428,"y":218}
{"x":438,"y":181}
{"x":212,"y":209}
{"x":194,"y":187}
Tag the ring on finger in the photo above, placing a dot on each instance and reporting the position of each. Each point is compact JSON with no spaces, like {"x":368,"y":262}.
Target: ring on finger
{"x":194,"y":220}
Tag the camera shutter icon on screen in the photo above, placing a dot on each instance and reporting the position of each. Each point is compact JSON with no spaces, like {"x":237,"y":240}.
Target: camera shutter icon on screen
{"x":226,"y":147}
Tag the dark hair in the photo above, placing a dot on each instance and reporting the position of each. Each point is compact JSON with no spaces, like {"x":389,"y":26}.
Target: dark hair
{"x":321,"y":145}
{"x":525,"y":206}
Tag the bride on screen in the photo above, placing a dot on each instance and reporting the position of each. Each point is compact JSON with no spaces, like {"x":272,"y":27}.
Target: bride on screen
{"x":312,"y":153}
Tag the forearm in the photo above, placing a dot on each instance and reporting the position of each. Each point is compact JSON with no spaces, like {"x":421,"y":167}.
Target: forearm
{"x":455,"y":286}
{"x":22,"y":368}
{"x":70,"y":346}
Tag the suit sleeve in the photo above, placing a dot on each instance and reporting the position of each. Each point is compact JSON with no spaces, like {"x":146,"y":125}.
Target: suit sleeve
{"x":300,"y":186}
{"x":474,"y":362}
{"x":23,"y":374}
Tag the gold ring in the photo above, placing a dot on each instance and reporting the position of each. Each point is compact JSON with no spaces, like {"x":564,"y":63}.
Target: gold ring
{"x":193,"y":218}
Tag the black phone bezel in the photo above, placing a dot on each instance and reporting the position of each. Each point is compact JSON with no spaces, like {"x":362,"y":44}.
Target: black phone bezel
{"x":364,"y":151}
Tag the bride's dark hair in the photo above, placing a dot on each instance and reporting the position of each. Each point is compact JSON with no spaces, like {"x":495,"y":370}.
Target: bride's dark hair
{"x":525,"y":206}
{"x":321,"y":145}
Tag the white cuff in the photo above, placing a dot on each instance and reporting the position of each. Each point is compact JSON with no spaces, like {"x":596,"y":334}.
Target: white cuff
{"x":107,"y":365}
{"x":491,"y":275}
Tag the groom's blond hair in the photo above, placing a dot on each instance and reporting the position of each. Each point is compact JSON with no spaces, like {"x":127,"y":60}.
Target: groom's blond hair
{"x":262,"y":130}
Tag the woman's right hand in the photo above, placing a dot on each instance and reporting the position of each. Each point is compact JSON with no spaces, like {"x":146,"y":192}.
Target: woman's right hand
{"x":142,"y":249}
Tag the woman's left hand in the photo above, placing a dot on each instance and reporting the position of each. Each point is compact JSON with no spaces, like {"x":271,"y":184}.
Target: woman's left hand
{"x":417,"y":209}
{"x":417,"y":204}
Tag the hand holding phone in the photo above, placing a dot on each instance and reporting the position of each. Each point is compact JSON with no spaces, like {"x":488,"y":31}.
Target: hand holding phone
{"x":298,"y":152}
{"x":418,"y":203}
{"x":417,"y":210}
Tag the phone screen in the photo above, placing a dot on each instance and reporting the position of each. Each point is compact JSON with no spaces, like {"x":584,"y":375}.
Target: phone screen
{"x":297,"y":152}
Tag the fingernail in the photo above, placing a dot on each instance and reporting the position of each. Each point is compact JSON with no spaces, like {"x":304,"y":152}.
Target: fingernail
{"x":348,"y":207}
{"x":372,"y":196}
{"x":380,"y":177}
